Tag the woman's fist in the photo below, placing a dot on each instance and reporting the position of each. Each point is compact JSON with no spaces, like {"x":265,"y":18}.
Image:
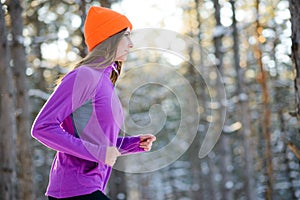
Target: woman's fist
{"x":146,"y":141}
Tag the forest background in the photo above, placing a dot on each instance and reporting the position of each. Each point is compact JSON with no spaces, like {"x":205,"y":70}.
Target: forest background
{"x":252,"y":44}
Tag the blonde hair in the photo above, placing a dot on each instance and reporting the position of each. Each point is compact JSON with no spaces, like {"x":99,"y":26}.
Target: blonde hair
{"x":102,"y":56}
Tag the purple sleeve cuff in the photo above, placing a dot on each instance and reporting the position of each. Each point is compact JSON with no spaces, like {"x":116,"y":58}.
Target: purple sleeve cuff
{"x":129,"y":145}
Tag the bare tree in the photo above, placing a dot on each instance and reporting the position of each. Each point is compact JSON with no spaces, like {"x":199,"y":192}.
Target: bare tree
{"x":295,"y":18}
{"x":82,"y":11}
{"x":224,"y":144}
{"x":266,"y":110}
{"x":244,"y":112}
{"x":8,"y":158}
{"x":24,"y":151}
{"x":105,"y":3}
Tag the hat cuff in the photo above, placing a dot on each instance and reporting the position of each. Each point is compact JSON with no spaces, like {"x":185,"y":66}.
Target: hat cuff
{"x":121,"y":23}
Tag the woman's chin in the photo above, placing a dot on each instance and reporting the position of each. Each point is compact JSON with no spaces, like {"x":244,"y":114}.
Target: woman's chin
{"x":121,"y":59}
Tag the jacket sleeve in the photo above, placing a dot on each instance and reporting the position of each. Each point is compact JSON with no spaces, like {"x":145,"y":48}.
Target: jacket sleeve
{"x":76,"y":88}
{"x":129,"y":145}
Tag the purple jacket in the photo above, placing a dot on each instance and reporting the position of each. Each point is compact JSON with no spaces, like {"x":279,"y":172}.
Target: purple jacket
{"x":80,"y":120}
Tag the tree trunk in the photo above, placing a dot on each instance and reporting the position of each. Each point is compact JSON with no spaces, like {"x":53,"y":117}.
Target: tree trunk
{"x":284,"y":156}
{"x":8,"y":158}
{"x":243,"y":108}
{"x":214,"y":192}
{"x":266,"y":111}
{"x":41,"y":173}
{"x":83,"y":47}
{"x":295,"y":18}
{"x":105,"y":3}
{"x":24,"y":151}
{"x":196,"y":175}
{"x":224,"y":144}
{"x":218,"y":37}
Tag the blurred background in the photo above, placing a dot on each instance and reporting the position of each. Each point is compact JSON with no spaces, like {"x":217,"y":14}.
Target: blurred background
{"x":249,"y":42}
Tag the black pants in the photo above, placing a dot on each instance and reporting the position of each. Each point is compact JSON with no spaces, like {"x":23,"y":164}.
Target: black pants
{"x":98,"y":195}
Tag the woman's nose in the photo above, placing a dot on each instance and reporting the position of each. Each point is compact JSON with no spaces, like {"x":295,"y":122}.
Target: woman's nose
{"x":130,"y":44}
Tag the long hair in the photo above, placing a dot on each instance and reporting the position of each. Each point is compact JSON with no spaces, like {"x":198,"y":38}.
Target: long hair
{"x":103,"y":55}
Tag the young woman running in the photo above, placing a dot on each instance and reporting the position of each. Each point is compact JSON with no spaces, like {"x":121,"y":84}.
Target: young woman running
{"x":82,"y":118}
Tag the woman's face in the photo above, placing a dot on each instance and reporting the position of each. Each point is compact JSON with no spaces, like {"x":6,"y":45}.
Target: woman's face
{"x":124,"y":46}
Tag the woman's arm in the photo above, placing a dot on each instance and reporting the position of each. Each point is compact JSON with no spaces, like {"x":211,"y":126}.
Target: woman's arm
{"x":76,"y":88}
{"x":135,"y":144}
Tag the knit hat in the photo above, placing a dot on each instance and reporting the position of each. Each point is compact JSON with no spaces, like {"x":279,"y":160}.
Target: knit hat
{"x":101,"y":23}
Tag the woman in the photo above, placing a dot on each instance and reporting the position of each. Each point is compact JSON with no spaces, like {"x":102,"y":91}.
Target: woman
{"x":82,"y":118}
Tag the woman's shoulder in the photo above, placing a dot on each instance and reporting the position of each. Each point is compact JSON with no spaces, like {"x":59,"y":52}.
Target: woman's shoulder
{"x":84,"y":72}
{"x":85,"y":76}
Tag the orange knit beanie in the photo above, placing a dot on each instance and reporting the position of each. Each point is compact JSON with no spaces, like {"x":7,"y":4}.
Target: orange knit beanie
{"x":101,"y":23}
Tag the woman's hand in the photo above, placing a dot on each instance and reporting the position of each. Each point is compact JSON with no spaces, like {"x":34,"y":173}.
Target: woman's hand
{"x":146,"y":141}
{"x":112,"y":154}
